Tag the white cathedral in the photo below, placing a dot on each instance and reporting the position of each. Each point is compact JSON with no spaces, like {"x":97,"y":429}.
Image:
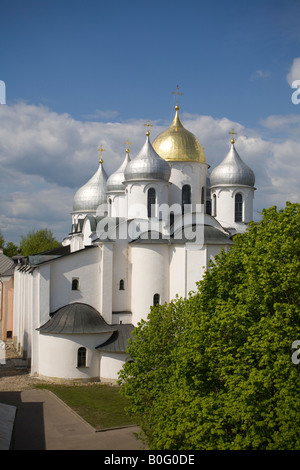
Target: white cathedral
{"x":139,"y":237}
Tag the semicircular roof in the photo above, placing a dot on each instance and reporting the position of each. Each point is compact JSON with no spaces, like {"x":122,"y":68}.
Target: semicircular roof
{"x":115,"y":181}
{"x":232,"y":171}
{"x":76,"y":318}
{"x":178,"y":144}
{"x":93,"y":193}
{"x":148,"y":165}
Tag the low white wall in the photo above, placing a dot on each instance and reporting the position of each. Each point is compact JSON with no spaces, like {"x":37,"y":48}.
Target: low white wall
{"x":110,"y":365}
{"x":58,"y":356}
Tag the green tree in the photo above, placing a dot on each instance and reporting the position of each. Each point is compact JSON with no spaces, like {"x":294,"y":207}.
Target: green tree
{"x":214,"y":371}
{"x":10,"y":249}
{"x":2,"y":241}
{"x":37,"y":242}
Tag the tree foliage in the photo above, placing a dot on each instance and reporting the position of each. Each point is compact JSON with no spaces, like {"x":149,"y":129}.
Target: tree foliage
{"x":37,"y":242}
{"x":10,"y":249}
{"x":214,"y":371}
{"x":2,"y":241}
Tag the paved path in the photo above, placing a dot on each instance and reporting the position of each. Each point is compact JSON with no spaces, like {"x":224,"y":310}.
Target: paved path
{"x":44,"y":422}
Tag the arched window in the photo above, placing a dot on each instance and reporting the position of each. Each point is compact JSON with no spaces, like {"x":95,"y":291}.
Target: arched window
{"x":202,"y":194}
{"x":121,"y":285}
{"x":81,"y":357}
{"x":238,"y":210}
{"x":156,"y":299}
{"x":151,"y":201}
{"x":185,"y":196}
{"x":214,"y":205}
{"x":208,"y":207}
{"x":75,"y":284}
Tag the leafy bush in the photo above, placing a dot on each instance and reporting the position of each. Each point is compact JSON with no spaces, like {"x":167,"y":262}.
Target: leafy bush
{"x":214,"y":371}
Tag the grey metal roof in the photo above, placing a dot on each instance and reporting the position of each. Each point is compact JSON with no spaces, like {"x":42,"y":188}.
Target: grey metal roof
{"x":148,"y":165}
{"x":49,"y":255}
{"x":231,"y":171}
{"x":43,"y":258}
{"x":6,"y":265}
{"x":119,"y":339}
{"x":93,"y":193}
{"x":209,"y":236}
{"x":115,"y":181}
{"x":151,"y":237}
{"x":76,"y":318}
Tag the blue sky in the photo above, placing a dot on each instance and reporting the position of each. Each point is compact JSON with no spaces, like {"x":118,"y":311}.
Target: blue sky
{"x":81,"y":73}
{"x":78,"y":56}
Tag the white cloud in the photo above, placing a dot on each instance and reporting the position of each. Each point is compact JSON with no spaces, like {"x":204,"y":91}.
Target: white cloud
{"x":259,"y":74}
{"x":287,"y":123}
{"x":294,"y":73}
{"x":46,"y":156}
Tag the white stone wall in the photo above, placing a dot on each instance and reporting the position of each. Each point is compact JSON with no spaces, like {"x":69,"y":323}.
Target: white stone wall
{"x":177,"y":271}
{"x":121,"y":299}
{"x":137,"y":194}
{"x":196,"y":266}
{"x":110,"y":365}
{"x":188,"y":264}
{"x":150,"y":275}
{"x":117,"y":204}
{"x":191,"y":173}
{"x":58,"y":356}
{"x":106,"y":281}
{"x":82,"y":265}
{"x":23,"y":309}
{"x":225,"y":205}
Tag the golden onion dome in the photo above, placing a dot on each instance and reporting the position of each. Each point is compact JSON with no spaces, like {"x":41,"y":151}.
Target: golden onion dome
{"x":177,"y":144}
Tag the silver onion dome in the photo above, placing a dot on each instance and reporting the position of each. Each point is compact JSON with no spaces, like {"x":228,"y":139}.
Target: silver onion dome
{"x":93,"y":193}
{"x":148,"y":165}
{"x":232,"y":171}
{"x":115,"y":181}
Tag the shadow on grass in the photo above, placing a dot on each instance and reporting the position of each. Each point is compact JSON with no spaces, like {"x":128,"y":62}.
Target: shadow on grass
{"x":102,"y":406}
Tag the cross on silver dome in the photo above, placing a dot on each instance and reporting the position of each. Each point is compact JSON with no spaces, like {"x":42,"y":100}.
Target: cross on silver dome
{"x":232,"y":170}
{"x":148,"y":165}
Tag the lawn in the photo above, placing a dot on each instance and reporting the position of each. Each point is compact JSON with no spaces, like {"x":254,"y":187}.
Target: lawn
{"x":102,"y":406}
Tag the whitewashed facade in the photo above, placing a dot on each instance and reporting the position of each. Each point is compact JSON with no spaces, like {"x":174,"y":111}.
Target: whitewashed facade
{"x":76,"y":307}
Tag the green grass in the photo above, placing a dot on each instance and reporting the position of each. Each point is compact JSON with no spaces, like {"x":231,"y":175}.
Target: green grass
{"x":102,"y":406}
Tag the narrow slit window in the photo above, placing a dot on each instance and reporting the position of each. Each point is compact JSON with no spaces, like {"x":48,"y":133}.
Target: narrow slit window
{"x":214,"y":205}
{"x":208,"y":207}
{"x":238,"y":208}
{"x":156,"y":299}
{"x":81,"y":357}
{"x":202,"y":194}
{"x":185,"y":196}
{"x":75,"y":284}
{"x":122,"y":285}
{"x":151,"y":202}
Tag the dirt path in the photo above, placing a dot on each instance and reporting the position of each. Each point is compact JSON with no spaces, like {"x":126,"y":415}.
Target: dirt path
{"x":14,"y":375}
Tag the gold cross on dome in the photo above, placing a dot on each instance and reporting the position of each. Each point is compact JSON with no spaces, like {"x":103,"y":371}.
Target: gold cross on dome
{"x":127,"y":143}
{"x":148,"y":125}
{"x":101,"y":149}
{"x":177,"y":93}
{"x":232,"y":133}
